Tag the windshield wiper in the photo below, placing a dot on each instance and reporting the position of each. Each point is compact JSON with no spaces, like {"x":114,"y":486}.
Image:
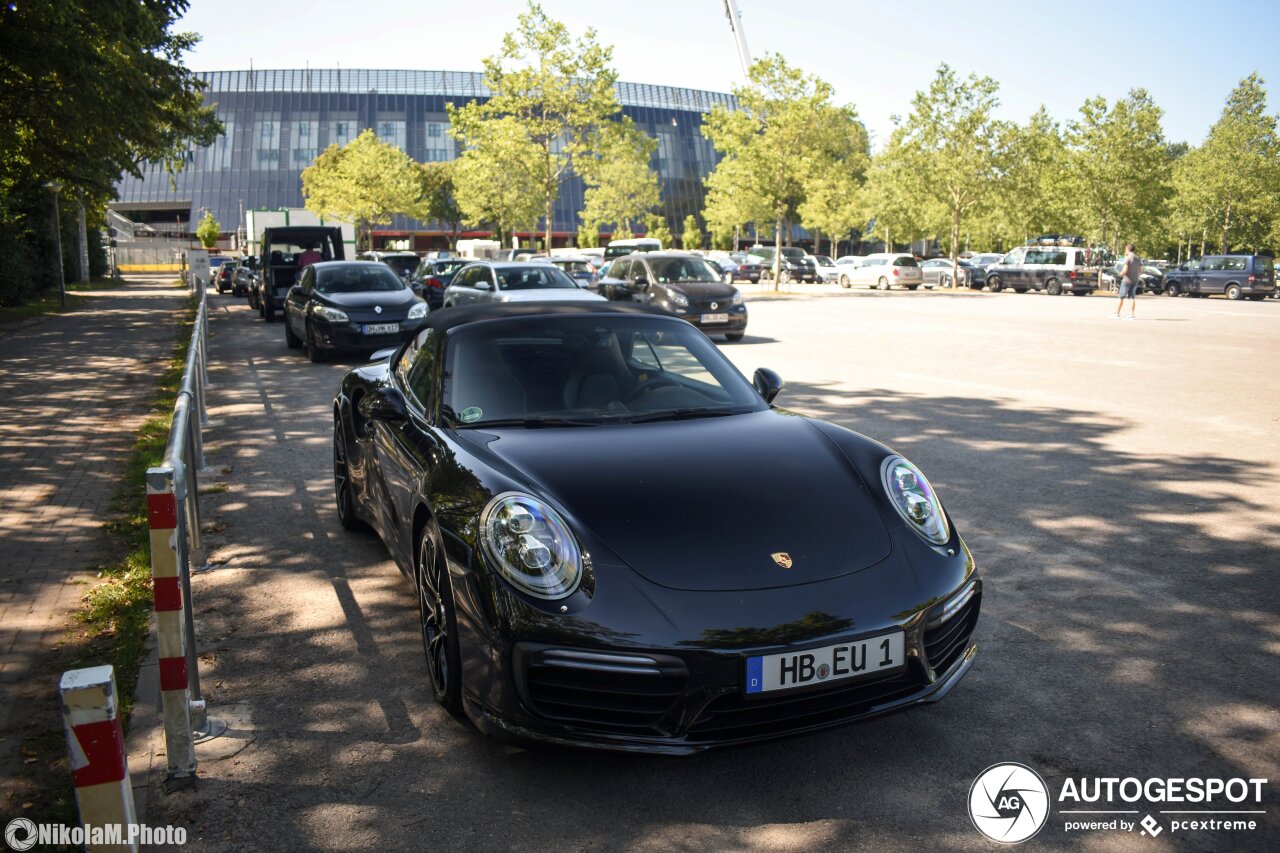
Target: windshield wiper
{"x":688,"y":414}
{"x":529,"y":423}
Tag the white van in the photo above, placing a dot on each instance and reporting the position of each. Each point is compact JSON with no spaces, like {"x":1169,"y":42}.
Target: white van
{"x":618,"y":248}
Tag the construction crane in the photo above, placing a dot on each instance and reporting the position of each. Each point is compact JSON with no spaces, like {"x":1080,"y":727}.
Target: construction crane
{"x":739,"y":37}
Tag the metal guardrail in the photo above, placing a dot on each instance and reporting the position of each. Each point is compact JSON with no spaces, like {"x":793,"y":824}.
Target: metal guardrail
{"x":173,"y":503}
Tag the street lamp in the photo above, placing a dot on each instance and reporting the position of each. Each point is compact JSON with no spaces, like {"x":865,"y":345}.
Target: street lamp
{"x":55,"y":187}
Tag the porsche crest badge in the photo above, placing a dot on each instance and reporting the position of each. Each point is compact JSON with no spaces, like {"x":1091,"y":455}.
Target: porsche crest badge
{"x":782,"y":558}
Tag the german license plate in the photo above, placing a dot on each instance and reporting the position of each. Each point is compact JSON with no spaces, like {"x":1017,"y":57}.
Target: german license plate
{"x":841,"y":662}
{"x":381,"y":328}
{"x":715,"y":318}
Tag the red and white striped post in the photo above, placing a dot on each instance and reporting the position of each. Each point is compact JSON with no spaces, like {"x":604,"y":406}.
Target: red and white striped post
{"x":95,"y":742}
{"x":168,"y":552}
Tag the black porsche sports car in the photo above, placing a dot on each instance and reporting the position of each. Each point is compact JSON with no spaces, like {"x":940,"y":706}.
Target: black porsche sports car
{"x":618,"y":542}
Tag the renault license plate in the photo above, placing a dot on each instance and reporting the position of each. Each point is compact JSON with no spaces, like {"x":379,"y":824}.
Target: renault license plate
{"x":381,"y":328}
{"x":715,"y":318}
{"x":840,"y":662}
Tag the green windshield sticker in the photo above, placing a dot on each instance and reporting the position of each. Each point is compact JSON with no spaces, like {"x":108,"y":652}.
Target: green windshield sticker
{"x":471,"y":414}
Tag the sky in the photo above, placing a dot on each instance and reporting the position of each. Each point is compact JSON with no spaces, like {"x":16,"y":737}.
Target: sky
{"x":877,"y":55}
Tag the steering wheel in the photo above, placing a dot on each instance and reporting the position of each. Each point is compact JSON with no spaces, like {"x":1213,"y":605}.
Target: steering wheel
{"x":645,"y":388}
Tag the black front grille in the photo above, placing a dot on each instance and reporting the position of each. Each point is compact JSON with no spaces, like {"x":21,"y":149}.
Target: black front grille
{"x":732,"y":716}
{"x":604,"y":690}
{"x":945,"y":643}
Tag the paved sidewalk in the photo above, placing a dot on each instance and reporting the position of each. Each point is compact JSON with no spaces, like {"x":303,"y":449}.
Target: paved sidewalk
{"x":73,"y":388}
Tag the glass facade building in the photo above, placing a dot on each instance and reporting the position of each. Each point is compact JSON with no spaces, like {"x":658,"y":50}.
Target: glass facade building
{"x":278,"y":121}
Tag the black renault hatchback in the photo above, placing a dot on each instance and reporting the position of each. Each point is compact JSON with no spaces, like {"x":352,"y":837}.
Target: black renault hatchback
{"x":681,"y":284}
{"x":350,"y":305}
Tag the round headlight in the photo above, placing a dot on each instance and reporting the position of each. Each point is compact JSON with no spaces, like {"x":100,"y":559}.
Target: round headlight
{"x":914,"y":499}
{"x":531,"y":546}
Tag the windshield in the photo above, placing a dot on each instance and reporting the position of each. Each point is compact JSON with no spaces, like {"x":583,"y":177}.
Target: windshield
{"x":448,"y":267}
{"x":540,"y":277}
{"x":357,"y":278}
{"x":402,"y":264}
{"x":668,"y":270}
{"x":583,"y":371}
{"x":575,"y":266}
{"x":824,"y":261}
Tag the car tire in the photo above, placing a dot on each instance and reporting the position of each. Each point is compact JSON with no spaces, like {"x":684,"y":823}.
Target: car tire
{"x":993,"y":284}
{"x":253,"y":299}
{"x":728,"y":278}
{"x":1053,"y":287}
{"x":313,"y":351}
{"x":1255,"y":298}
{"x":1172,"y":289}
{"x":734,"y":337}
{"x":912,"y":286}
{"x":268,"y":312}
{"x":438,"y":621}
{"x":844,"y":281}
{"x":784,"y":277}
{"x":291,"y":340}
{"x":1020,"y":290}
{"x":1080,"y":292}
{"x":883,"y":283}
{"x":346,"y":504}
{"x":1233,"y":292}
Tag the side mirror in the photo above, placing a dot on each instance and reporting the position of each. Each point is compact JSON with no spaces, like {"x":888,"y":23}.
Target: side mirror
{"x":483,"y":285}
{"x":385,"y":404}
{"x":641,"y":282}
{"x":766,"y":382}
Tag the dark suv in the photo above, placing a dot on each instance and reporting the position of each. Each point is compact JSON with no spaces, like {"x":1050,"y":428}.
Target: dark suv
{"x":795,"y":266}
{"x":682,"y":284}
{"x":1235,"y":276}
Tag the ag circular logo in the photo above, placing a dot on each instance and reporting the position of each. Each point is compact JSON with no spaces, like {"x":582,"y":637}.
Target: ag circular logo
{"x":1009,"y":802}
{"x":20,"y":834}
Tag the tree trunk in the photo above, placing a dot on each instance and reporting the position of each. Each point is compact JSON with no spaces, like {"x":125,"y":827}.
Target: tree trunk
{"x":955,"y":248}
{"x":777,"y":251}
{"x":1226,"y":227}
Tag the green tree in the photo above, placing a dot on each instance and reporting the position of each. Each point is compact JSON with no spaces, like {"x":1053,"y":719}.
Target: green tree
{"x":556,"y":93}
{"x":437,"y":201}
{"x":954,"y":144}
{"x":620,"y":185}
{"x":655,"y":226}
{"x":833,"y":199}
{"x":771,"y":144}
{"x":732,"y":202}
{"x":1032,"y":196}
{"x":483,"y":187}
{"x":1231,"y":184}
{"x":89,"y":90}
{"x":891,"y":196}
{"x":1119,"y":174}
{"x":691,"y":238}
{"x":208,"y":230}
{"x":367,"y":182}
{"x":589,"y":236}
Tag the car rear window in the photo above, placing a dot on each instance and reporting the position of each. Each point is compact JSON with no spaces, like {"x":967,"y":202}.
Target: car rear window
{"x":905,"y":262}
{"x":1263,"y":264}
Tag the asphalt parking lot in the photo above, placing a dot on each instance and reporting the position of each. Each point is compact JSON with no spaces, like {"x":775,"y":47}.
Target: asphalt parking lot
{"x":1117,"y":482}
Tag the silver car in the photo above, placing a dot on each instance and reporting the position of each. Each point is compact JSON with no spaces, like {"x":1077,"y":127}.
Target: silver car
{"x":494,"y":281}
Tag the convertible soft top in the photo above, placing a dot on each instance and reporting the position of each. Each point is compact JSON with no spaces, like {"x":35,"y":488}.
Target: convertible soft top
{"x":449,"y":318}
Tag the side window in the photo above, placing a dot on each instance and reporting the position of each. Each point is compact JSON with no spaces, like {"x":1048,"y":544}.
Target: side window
{"x":420,"y":379}
{"x":1035,"y":256}
{"x":619,"y":268}
{"x":466,"y":277}
{"x":1014,"y":257}
{"x":638,"y":270}
{"x":1234,"y":263}
{"x":1055,"y":258}
{"x":1212,"y":263}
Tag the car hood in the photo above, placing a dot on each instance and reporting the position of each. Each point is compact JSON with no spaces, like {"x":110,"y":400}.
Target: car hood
{"x":703,"y":289}
{"x":706,"y":504}
{"x":370,"y":298}
{"x":575,"y":294}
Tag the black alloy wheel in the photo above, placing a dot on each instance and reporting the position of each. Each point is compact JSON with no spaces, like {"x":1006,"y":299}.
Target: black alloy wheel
{"x":342,"y":483}
{"x":439,"y":626}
